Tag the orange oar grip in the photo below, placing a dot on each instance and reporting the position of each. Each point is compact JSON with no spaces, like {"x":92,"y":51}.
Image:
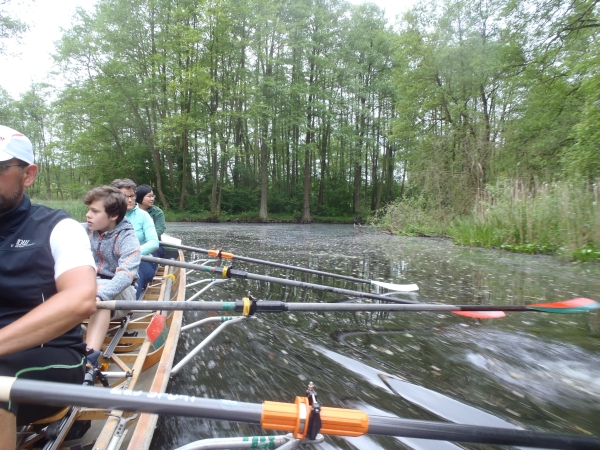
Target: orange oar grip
{"x":213,"y":253}
{"x":226,"y":255}
{"x":344,"y":422}
{"x":294,"y":418}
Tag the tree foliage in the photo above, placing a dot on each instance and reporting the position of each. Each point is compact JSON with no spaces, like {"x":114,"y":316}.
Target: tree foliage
{"x":228,"y":105}
{"x":318,"y":107}
{"x":11,"y":28}
{"x":491,"y":90}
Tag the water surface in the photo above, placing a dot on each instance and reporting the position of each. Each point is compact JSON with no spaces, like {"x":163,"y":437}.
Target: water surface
{"x":535,"y":370}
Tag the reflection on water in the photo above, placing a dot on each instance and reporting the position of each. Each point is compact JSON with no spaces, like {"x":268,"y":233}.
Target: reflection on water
{"x":530,"y":369}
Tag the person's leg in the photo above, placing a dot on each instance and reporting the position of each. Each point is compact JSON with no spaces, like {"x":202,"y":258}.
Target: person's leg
{"x":97,"y":327}
{"x":98,"y":323}
{"x":146,"y":272}
{"x":96,"y":333}
{"x":8,"y":430}
{"x":159,"y":252}
{"x":129,"y":294}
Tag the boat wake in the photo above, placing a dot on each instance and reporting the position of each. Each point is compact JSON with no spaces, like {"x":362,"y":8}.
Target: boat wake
{"x":549,"y":371}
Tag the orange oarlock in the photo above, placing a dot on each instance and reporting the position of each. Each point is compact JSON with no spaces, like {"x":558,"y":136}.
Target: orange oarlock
{"x":295,"y":417}
{"x":220,"y":254}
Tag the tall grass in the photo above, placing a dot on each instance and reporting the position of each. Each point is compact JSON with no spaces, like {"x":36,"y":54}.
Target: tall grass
{"x":411,"y":217}
{"x":75,"y":208}
{"x":555,"y":218}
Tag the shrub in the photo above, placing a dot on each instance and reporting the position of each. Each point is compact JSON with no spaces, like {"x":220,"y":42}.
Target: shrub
{"x":412,"y":217}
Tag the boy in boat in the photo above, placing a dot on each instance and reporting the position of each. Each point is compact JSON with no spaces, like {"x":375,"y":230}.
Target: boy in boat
{"x":116,"y":251}
{"x":47,"y":287}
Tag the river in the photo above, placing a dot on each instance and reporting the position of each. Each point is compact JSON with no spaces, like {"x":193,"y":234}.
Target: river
{"x":535,"y":370}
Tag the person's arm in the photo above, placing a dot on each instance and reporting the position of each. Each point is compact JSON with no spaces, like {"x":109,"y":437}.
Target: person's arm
{"x":74,"y":302}
{"x":151,"y":240}
{"x":126,"y":273}
{"x":159,"y":222}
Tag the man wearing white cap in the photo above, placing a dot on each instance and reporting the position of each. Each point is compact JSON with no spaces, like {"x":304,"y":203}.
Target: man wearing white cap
{"x":47,"y":286}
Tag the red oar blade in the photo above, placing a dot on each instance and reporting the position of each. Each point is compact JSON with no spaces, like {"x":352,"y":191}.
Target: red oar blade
{"x":157,"y":330}
{"x":576,"y":305}
{"x":481,"y":314}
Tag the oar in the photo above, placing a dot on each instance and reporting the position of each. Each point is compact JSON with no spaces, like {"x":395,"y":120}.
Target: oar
{"x":227,"y":255}
{"x":294,"y":417}
{"x":473,"y":311}
{"x":248,"y":307}
{"x":227,"y":272}
{"x":442,"y":405}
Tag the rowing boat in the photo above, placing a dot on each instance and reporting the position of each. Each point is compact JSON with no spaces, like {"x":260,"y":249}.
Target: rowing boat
{"x":131,"y":359}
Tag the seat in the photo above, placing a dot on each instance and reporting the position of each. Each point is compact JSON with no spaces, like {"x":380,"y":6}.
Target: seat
{"x":53,"y":418}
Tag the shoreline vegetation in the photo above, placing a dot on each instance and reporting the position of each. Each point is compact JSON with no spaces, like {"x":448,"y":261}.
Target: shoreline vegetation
{"x":560,"y":218}
{"x":77,"y":210}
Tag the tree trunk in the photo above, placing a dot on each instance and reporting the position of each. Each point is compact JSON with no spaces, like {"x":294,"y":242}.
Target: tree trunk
{"x":356,"y":200}
{"x":264,"y":171}
{"x":306,"y":217}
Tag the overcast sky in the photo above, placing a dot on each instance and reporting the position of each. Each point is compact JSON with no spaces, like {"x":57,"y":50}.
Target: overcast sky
{"x":46,"y":18}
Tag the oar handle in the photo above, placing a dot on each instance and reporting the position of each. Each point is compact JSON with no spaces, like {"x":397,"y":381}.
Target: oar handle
{"x":186,"y":247}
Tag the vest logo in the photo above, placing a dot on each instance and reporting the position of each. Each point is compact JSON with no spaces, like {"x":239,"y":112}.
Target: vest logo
{"x":23,"y":243}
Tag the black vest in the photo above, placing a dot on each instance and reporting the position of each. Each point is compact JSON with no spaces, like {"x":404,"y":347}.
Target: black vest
{"x":27,"y":265}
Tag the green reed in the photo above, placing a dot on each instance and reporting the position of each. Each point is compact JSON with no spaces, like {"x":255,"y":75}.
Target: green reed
{"x":413,"y":217}
{"x":554,"y":218}
{"x":75,"y":208}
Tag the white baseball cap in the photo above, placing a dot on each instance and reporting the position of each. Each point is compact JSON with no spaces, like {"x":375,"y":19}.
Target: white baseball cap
{"x":15,"y":145}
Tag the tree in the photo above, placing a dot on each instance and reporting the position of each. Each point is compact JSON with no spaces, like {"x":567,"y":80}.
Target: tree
{"x":10,"y":27}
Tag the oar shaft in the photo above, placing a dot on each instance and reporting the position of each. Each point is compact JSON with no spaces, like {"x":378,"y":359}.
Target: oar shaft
{"x":60,"y":394}
{"x":275,"y":264}
{"x":318,"y":287}
{"x":270,"y":306}
{"x":233,"y":273}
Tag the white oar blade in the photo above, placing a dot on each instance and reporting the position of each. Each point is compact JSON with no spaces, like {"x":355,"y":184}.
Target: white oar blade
{"x":396,"y":287}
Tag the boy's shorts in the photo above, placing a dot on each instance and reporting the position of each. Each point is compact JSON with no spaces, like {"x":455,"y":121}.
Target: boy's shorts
{"x":62,"y":365}
{"x":127,"y":294}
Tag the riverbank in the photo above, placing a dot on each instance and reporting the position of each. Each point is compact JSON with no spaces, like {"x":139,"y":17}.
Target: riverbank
{"x":560,"y":219}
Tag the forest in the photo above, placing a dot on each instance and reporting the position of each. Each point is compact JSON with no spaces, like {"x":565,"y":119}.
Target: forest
{"x":321,"y":108}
